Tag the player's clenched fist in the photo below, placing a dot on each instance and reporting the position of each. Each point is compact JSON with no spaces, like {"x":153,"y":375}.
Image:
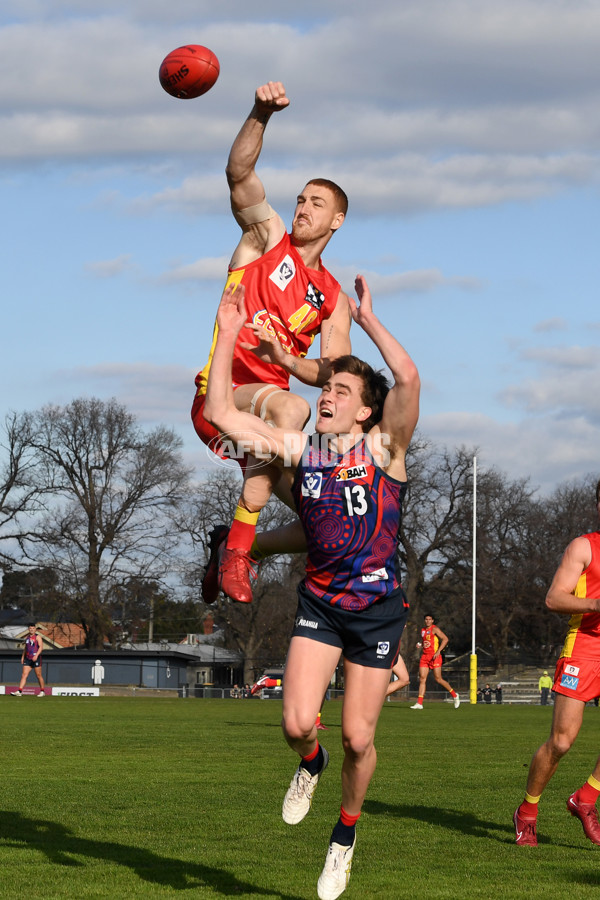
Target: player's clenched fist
{"x":271,"y":96}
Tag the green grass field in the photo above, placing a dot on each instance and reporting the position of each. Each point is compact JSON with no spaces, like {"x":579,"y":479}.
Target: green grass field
{"x":137,"y":798}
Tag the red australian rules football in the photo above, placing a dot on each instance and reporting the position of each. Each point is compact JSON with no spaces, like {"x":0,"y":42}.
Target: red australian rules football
{"x":189,"y":71}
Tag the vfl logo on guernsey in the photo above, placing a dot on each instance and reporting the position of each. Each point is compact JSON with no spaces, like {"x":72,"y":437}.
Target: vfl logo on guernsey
{"x":383,"y":648}
{"x":284,"y":273}
{"x":568,"y":681}
{"x":311,"y":484}
{"x":377,"y":575}
{"x":351,"y":474}
{"x":314,"y":297}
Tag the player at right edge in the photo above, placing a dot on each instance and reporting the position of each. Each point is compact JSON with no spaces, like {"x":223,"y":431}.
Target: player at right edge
{"x":575,"y":590}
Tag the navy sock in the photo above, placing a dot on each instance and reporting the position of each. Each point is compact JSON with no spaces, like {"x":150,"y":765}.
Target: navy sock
{"x":343,"y":834}
{"x":314,"y":766}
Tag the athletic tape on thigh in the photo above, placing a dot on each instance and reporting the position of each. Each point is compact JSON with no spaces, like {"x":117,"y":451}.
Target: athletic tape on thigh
{"x":252,"y":215}
{"x":263,"y":407}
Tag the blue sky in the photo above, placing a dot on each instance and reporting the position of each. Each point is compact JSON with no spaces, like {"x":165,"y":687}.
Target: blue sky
{"x":465,"y":132}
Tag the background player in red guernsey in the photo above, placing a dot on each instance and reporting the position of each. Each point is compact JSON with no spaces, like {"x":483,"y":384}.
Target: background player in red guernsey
{"x":432,"y":643}
{"x":349,"y":484}
{"x":293,"y":297}
{"x":575,"y":590}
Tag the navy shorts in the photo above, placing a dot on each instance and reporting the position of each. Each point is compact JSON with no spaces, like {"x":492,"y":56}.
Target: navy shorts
{"x":33,"y":663}
{"x":368,"y":637}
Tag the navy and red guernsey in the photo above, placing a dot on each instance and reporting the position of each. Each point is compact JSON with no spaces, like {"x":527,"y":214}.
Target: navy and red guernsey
{"x":351,"y":512}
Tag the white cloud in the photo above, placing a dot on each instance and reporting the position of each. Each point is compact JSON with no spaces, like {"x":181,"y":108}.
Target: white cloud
{"x":208,"y":269}
{"x":564,"y":384}
{"x":155,"y":394}
{"x":555,"y":324}
{"x":109,"y":268}
{"x":419,"y":281}
{"x":507,"y":96}
{"x":547,"y":450}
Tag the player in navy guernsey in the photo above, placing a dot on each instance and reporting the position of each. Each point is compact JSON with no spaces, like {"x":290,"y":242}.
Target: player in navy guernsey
{"x":349,"y":482}
{"x":344,"y":501}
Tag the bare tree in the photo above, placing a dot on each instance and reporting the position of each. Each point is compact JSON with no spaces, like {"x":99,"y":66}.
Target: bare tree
{"x":509,"y":591}
{"x":20,"y":495}
{"x":260,"y":630}
{"x":433,"y":541}
{"x":115,"y":489}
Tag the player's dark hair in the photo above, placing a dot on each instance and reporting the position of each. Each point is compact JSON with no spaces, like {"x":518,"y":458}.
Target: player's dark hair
{"x":31,"y":624}
{"x":340,"y":195}
{"x":598,"y":492}
{"x":430,"y":616}
{"x":375,"y":385}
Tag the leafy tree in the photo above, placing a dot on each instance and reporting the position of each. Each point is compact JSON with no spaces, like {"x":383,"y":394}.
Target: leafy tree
{"x":115,"y":490}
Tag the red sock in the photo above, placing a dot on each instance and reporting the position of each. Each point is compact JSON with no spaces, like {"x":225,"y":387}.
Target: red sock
{"x":420,"y":700}
{"x":453,"y":694}
{"x":241,"y":535}
{"x":587,"y":793}
{"x":528,"y":810}
{"x":346,"y":818}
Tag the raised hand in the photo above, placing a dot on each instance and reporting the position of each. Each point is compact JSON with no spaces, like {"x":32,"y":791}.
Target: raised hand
{"x":271,"y":97}
{"x":232,"y":315}
{"x":362,"y":311}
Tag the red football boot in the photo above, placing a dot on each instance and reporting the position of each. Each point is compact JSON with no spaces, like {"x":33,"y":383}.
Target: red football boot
{"x":525,"y":830}
{"x":587,"y":815}
{"x":237,"y":571}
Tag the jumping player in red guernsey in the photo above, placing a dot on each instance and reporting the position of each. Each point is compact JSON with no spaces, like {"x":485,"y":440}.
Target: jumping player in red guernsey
{"x":349,"y":484}
{"x":575,"y":590}
{"x":292,"y":297}
{"x":432,"y":643}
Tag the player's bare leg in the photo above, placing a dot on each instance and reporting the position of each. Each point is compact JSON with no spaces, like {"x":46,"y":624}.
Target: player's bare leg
{"x":24,"y":676}
{"x":567,"y":717}
{"x":364,"y":693}
{"x":308,"y":670}
{"x":423,"y":673}
{"x":437,"y":674}
{"x":40,"y":679}
{"x":402,"y":677}
{"x":283,"y":409}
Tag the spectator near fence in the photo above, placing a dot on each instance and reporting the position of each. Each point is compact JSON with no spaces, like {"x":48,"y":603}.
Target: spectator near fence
{"x":544,"y":685}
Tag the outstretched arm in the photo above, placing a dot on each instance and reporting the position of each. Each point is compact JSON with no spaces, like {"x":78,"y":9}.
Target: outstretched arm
{"x":260,"y":224}
{"x":247,"y":430}
{"x":401,"y":408}
{"x":335,"y":342}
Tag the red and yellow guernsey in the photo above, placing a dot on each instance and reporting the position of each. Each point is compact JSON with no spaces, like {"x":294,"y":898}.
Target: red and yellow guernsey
{"x":430,"y":641}
{"x":583,"y":636}
{"x":289,"y":300}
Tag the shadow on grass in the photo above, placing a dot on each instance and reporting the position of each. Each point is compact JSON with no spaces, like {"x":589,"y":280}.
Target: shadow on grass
{"x":452,"y":819}
{"x":61,"y":846}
